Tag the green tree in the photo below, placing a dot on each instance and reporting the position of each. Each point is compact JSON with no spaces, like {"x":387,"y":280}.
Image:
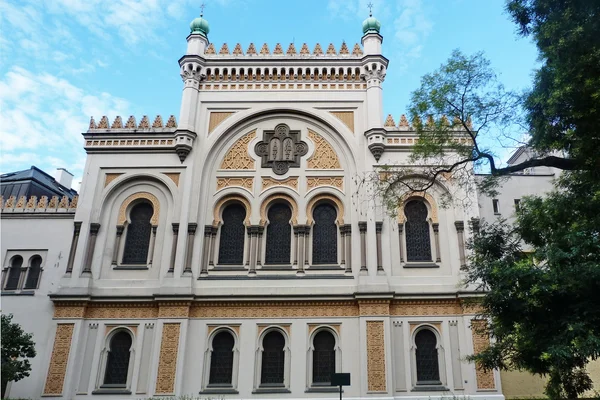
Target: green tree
{"x":17,"y":348}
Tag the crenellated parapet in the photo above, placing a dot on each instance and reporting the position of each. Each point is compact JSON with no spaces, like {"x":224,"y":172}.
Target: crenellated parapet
{"x":278,"y":51}
{"x":131,"y":125}
{"x":33,"y":204}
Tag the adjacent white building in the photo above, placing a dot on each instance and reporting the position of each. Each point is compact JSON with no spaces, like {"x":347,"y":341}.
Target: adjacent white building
{"x":232,"y":253}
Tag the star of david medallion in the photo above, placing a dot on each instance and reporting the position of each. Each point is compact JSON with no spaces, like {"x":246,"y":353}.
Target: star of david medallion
{"x":281,"y":149}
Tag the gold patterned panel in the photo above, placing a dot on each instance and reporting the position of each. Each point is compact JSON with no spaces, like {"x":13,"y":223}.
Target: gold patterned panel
{"x":136,"y":196}
{"x":275,"y":197}
{"x":59,"y":360}
{"x":237,"y":156}
{"x":347,"y":117}
{"x":375,"y":357}
{"x":286,"y":327}
{"x":481,"y":341}
{"x":235,"y":328}
{"x":368,"y":308}
{"x":121,"y":311}
{"x":167,"y":362}
{"x":425,"y":307}
{"x":235,"y":181}
{"x":324,"y":157}
{"x":174,"y":176}
{"x":315,"y":181}
{"x":174,"y":309}
{"x":300,"y":309}
{"x":325,"y":197}
{"x":225,"y":200}
{"x":110,"y":177}
{"x":216,"y":118}
{"x":335,"y":327}
{"x":291,"y":182}
{"x":423,"y":196}
{"x":68,"y":311}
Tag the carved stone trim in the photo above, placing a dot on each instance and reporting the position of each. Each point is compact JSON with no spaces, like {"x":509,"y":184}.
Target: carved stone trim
{"x":121,"y":311}
{"x":425,"y":307}
{"x":136,"y":196}
{"x":225,"y":200}
{"x":245,"y":182}
{"x":272,"y":309}
{"x":417,"y":195}
{"x":174,"y":176}
{"x":271,"y":199}
{"x":179,"y":309}
{"x":376,"y":379}
{"x":326,"y":198}
{"x":291,"y":182}
{"x":336,"y":327}
{"x":324,"y":157}
{"x":281,"y":149}
{"x":215,"y":119}
{"x":59,"y":360}
{"x":315,"y":181}
{"x":347,"y":118}
{"x":237,"y":156}
{"x":167,"y":362}
{"x":368,"y":308}
{"x":111,"y":177}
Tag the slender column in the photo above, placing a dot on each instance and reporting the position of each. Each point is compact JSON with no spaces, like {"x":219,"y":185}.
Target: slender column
{"x":74,"y":241}
{"x":343,"y":245}
{"x":378,"y":228}
{"x":401,"y":240}
{"x":89,"y":253}
{"x":190,"y":246}
{"x":460,"y":230}
{"x":211,"y":247}
{"x":436,"y":235}
{"x":362,"y":227}
{"x":248,"y":246}
{"x":152,"y":245}
{"x":120,"y":229}
{"x":205,"y":249}
{"x":259,"y":240}
{"x":253,"y":240}
{"x":297,"y":230}
{"x":306,"y":237}
{"x":174,"y":247}
{"x":348,"y":234}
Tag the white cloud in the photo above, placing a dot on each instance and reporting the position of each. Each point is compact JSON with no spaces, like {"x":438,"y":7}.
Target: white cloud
{"x":42,"y":119}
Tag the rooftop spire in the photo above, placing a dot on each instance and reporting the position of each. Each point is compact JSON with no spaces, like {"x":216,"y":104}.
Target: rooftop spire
{"x":370,"y":5}
{"x":202,"y":9}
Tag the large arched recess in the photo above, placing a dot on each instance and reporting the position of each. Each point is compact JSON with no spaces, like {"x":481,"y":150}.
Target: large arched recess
{"x":242,"y":122}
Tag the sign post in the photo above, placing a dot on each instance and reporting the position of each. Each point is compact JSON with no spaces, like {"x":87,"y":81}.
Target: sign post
{"x":340,"y":380}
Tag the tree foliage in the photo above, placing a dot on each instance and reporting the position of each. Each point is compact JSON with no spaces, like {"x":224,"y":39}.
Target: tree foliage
{"x":17,"y":348}
{"x":543,"y":305}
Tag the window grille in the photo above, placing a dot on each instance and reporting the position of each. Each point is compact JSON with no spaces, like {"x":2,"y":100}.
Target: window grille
{"x":325,"y":235}
{"x":428,"y":370}
{"x":14,"y":273}
{"x":496,"y":206}
{"x":279,"y":235}
{"x":418,"y":241}
{"x":33,"y":276}
{"x":323,"y":358}
{"x":138,"y":234}
{"x":273,"y":359}
{"x":221,"y":359}
{"x":117,"y":364}
{"x":233,"y":231}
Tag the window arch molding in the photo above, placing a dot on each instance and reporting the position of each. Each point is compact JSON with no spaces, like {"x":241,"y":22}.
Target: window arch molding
{"x":226,"y":200}
{"x":426,"y":198}
{"x":133,"y":200}
{"x":440,"y":355}
{"x":325,"y":198}
{"x":310,"y":353}
{"x":259,"y":387}
{"x":101,"y":384}
{"x":34,"y":272}
{"x":278,"y":198}
{"x":208,"y":354}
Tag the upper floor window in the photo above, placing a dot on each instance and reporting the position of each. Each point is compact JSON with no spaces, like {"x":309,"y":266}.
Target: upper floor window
{"x":496,"y":206}
{"x":33,"y":275}
{"x":14,"y":273}
{"x":426,"y":357}
{"x":324,"y":235}
{"x":221,"y":359}
{"x":233,"y":232}
{"x":279,"y":234}
{"x":139,"y":230}
{"x":323,"y":358}
{"x":273,"y":359}
{"x":517,"y":204}
{"x":418,"y":241}
{"x":117,"y":362}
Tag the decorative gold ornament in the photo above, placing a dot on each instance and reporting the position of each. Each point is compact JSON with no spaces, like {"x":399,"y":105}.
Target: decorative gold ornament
{"x":167,"y":362}
{"x":174,"y":176}
{"x":59,"y":360}
{"x":235,"y":181}
{"x":110,"y":177}
{"x":237,"y":156}
{"x":417,"y":195}
{"x":274,"y":197}
{"x":324,"y":157}
{"x":224,"y":201}
{"x":215,"y":119}
{"x":137,"y":196}
{"x":481,"y":341}
{"x":291,"y":182}
{"x":347,"y":117}
{"x":326,"y":197}
{"x":376,"y":357}
{"x":274,"y":309}
{"x":369,"y":308}
{"x":315,"y":181}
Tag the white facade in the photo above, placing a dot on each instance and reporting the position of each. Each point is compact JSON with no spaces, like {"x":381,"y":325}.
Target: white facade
{"x":373,"y":300}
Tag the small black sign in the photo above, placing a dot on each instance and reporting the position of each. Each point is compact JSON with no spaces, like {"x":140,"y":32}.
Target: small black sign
{"x":340,"y":379}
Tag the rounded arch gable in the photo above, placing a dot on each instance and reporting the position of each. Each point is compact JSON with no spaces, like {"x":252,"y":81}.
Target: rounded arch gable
{"x":423,"y":196}
{"x":325,"y":197}
{"x":224,"y":201}
{"x":273,"y":198}
{"x":134,"y":198}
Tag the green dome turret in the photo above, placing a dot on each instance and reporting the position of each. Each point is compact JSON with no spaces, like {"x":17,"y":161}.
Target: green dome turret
{"x":199,"y":26}
{"x":371,"y":25}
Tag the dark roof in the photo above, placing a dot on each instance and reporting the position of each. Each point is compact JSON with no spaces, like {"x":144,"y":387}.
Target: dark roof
{"x":34,"y":174}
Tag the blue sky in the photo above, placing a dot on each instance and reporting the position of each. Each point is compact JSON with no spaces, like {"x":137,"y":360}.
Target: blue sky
{"x":67,"y":60}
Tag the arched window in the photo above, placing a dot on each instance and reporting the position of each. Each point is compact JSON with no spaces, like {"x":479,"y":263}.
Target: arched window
{"x":418,"y":242}
{"x":35,"y":268}
{"x":117,"y":363}
{"x":139,"y":230}
{"x":221,"y":359}
{"x":279,"y":234}
{"x":273,"y":359}
{"x":426,"y":355}
{"x":14,"y":273}
{"x":324,"y":235}
{"x":233,"y":232}
{"x":323,"y":358}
